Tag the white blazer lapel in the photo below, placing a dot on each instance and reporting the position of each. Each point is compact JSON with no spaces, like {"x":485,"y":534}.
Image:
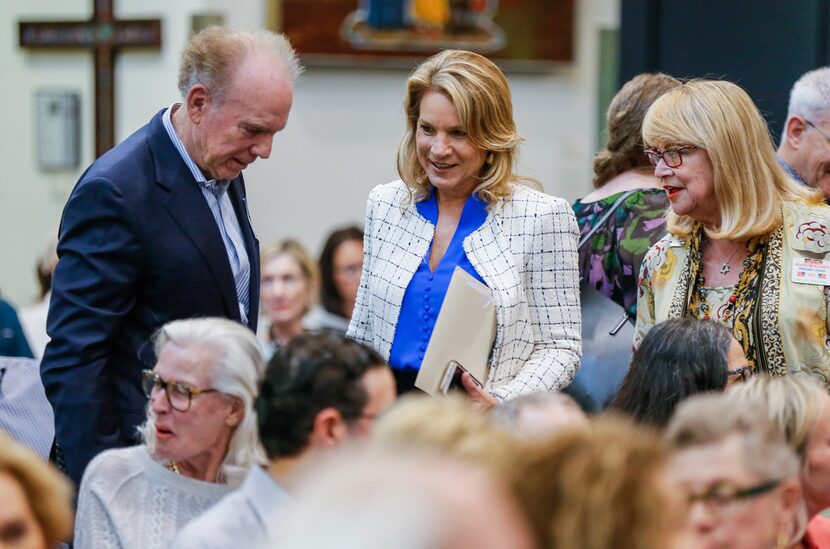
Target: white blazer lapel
{"x":489,"y":253}
{"x":404,"y":244}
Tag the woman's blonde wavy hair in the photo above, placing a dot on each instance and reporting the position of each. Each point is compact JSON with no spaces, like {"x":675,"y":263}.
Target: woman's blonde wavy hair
{"x":599,"y":486}
{"x":749,"y":184}
{"x":624,"y":119}
{"x":481,"y":95}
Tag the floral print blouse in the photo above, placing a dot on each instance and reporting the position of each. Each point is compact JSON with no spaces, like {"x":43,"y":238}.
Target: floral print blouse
{"x":610,"y":260}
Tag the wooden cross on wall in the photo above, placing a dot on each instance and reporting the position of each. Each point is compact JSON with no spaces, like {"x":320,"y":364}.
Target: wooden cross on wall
{"x":105,"y":35}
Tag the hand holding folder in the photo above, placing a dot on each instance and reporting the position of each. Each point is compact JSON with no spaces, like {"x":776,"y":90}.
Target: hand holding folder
{"x":463,"y":335}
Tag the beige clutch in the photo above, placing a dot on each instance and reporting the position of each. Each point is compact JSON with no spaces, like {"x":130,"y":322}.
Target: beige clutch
{"x":464,"y":333}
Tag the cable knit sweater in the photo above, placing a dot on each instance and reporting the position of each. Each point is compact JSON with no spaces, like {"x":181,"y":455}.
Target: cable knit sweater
{"x":129,"y":500}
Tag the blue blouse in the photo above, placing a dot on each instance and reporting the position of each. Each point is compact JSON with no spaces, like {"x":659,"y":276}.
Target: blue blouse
{"x":425,"y":294}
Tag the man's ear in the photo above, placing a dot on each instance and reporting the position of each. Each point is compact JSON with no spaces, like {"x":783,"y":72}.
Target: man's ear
{"x":328,"y":429}
{"x":794,"y":131}
{"x":237,"y":412}
{"x":197,"y":102}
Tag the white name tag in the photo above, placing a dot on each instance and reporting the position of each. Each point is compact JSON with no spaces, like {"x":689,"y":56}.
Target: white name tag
{"x":811,"y":271}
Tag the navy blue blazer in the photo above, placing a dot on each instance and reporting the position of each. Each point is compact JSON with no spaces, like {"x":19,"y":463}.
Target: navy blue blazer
{"x":138,"y":247}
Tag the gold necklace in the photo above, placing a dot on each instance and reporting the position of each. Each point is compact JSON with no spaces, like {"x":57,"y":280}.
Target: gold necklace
{"x":173,"y":467}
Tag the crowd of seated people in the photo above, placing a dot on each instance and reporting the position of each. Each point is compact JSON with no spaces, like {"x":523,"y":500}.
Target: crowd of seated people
{"x":293,"y":435}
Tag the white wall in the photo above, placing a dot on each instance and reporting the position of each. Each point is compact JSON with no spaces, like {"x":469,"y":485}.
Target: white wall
{"x":340,"y":141}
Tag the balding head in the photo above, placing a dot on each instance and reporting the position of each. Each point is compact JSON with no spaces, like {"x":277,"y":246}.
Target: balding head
{"x":372,"y":500}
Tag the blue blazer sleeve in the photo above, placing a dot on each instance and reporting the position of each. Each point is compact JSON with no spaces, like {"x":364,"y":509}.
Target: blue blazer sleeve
{"x":94,"y":288}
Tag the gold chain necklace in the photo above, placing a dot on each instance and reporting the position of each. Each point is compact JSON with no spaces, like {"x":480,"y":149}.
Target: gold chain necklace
{"x":173,"y":467}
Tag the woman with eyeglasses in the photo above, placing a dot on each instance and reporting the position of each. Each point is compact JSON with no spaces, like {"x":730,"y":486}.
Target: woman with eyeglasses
{"x":610,"y":259}
{"x":340,"y":264}
{"x":800,"y":406}
{"x":200,"y":439}
{"x":746,"y":244}
{"x":739,"y":476}
{"x":677,"y":359}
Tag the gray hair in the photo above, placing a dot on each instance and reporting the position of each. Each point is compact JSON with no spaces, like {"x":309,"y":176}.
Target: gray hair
{"x":238,"y":369}
{"x":794,"y":402}
{"x":710,"y":418}
{"x":212,"y":56}
{"x":810,"y":96}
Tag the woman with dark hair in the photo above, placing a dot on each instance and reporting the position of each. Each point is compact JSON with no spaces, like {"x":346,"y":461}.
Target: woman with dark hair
{"x":624,"y":182}
{"x":678,"y":358}
{"x":340,"y":264}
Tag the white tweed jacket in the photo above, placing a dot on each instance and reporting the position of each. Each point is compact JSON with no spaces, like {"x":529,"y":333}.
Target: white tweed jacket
{"x":526,"y":253}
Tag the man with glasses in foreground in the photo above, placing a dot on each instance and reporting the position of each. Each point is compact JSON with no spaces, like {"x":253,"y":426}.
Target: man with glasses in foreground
{"x":805,"y":142}
{"x":200,"y":439}
{"x":320,"y":391}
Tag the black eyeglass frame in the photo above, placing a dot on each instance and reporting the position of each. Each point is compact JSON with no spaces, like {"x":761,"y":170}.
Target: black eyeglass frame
{"x":715,"y":493}
{"x":744,"y":371}
{"x":151,"y":380}
{"x":654,"y":155}
{"x":819,"y":130}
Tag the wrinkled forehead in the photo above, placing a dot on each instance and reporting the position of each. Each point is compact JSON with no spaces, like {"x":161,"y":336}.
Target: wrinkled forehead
{"x":709,"y":463}
{"x":185,"y":362}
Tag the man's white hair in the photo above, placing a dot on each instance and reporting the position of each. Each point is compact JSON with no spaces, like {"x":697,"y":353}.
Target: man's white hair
{"x":810,"y":96}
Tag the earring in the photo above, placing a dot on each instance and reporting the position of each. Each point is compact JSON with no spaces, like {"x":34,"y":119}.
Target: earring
{"x":783,"y":540}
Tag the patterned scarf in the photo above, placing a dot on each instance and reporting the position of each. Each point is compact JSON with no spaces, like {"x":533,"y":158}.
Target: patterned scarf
{"x":747,"y":294}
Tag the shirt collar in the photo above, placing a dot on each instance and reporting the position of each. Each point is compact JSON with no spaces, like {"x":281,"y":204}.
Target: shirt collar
{"x":267,"y":497}
{"x":217,"y":187}
{"x":472,"y":216}
{"x":789,"y":169}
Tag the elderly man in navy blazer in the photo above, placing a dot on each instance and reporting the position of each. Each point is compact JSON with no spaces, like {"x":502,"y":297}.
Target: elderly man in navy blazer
{"x":158,"y":229}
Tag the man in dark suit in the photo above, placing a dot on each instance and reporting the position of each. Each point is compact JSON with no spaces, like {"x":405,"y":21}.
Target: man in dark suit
{"x":157,"y":229}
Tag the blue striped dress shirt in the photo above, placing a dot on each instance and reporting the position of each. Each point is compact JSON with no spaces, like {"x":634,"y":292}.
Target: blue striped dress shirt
{"x":216,"y":195}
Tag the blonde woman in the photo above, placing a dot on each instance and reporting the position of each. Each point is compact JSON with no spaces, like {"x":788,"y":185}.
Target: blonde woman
{"x":288,"y":289}
{"x":35,"y":500}
{"x":459,"y":203}
{"x":462,"y":432}
{"x":742,"y":233}
{"x":610,"y":259}
{"x":600,"y":486}
{"x":800,"y":406}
